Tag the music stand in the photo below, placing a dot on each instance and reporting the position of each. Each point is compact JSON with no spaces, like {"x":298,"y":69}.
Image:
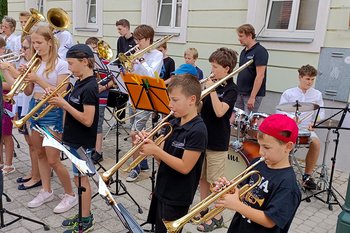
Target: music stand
{"x":323,"y":124}
{"x":148,"y":93}
{"x":85,"y":166}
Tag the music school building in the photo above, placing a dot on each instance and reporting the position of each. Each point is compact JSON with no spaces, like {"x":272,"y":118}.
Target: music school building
{"x":295,"y":33}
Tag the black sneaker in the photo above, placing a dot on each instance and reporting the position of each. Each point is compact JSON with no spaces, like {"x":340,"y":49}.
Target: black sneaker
{"x":88,"y":224}
{"x":308,"y":182}
{"x":96,"y":157}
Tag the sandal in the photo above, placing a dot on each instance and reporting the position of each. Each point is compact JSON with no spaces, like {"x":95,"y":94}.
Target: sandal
{"x":8,"y":169}
{"x":215,"y":224}
{"x":201,"y":214}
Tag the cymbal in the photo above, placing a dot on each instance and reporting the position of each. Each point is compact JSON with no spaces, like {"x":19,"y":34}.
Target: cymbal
{"x":330,"y":123}
{"x":302,"y":107}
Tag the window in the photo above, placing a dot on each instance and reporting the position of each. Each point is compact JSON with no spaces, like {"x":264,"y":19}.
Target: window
{"x":290,"y":21}
{"x":91,"y":9}
{"x":87,"y":17}
{"x":166,"y":17}
{"x":36,"y":4}
{"x":41,"y":6}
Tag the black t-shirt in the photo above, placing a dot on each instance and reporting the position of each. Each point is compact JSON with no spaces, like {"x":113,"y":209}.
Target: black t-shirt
{"x":199,"y":73}
{"x":219,"y":128}
{"x":278,"y":196}
{"x":172,"y":187}
{"x":76,"y":134}
{"x":246,"y":78}
{"x":167,"y":68}
{"x":124,"y":44}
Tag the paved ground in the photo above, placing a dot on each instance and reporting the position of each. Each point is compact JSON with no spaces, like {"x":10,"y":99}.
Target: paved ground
{"x":313,"y":217}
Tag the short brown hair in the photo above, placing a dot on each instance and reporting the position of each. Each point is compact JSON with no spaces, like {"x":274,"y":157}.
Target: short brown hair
{"x":192,"y":51}
{"x":307,"y":70}
{"x":25,"y":14}
{"x":2,"y":42}
{"x":123,"y":22}
{"x":144,"y":31}
{"x":189,"y":85}
{"x":225,"y":57}
{"x":91,"y":40}
{"x":11,"y":21}
{"x":164,"y":46}
{"x":247,"y":29}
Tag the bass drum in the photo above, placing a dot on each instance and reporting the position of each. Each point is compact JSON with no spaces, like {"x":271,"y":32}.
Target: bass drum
{"x":238,"y":160}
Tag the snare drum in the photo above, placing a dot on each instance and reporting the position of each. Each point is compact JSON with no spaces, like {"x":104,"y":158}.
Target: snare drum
{"x":255,"y":121}
{"x":304,"y":138}
{"x":238,"y":160}
{"x":240,"y":123}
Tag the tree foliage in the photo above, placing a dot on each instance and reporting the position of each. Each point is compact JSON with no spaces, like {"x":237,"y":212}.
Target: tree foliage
{"x":3,"y":8}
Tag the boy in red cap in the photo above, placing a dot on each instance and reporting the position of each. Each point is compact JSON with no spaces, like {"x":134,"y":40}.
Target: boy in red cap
{"x":271,"y":206}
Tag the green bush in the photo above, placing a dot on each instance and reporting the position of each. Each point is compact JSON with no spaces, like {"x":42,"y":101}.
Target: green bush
{"x":3,"y":8}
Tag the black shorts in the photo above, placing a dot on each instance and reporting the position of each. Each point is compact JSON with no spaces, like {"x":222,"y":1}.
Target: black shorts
{"x":159,"y":211}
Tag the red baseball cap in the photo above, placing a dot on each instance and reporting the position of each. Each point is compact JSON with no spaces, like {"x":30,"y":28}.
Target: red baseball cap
{"x":274,"y":124}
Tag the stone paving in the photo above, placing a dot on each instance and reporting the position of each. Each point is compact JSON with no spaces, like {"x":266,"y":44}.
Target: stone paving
{"x":312,"y":217}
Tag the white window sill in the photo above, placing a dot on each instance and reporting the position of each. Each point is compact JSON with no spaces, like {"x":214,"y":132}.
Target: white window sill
{"x":287,"y":40}
{"x":82,"y":29}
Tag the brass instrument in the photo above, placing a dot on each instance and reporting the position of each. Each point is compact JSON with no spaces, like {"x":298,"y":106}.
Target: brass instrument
{"x":104,"y":50}
{"x":127,"y":60}
{"x":19,"y":85}
{"x":108,"y":174}
{"x":127,"y":53}
{"x":11,"y":57}
{"x":35,"y":18}
{"x":19,"y":123}
{"x":58,"y":19}
{"x":119,"y":111}
{"x":204,"y":80}
{"x":177,"y":225}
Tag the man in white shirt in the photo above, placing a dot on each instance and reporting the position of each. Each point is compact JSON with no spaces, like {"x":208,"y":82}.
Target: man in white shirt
{"x":305,"y":92}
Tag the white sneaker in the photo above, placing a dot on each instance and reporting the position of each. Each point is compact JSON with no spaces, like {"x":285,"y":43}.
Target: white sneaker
{"x":66,"y":204}
{"x":40,"y":199}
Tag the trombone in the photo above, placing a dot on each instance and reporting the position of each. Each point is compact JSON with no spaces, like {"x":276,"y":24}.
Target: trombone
{"x":119,"y":111}
{"x":19,"y":123}
{"x":127,"y":60}
{"x":177,"y":225}
{"x":19,"y":85}
{"x":108,"y":174}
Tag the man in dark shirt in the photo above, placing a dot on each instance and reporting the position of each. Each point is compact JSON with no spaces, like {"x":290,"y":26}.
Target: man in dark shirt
{"x":126,"y":40}
{"x":252,"y":80}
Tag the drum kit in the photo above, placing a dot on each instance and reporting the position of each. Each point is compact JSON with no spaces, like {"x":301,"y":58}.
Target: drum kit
{"x":244,"y":129}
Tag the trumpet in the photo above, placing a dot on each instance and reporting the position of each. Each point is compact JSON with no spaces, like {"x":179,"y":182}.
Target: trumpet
{"x":177,"y":225}
{"x":108,"y":174}
{"x":19,"y":123}
{"x":11,"y":57}
{"x":127,"y":60}
{"x":19,"y":85}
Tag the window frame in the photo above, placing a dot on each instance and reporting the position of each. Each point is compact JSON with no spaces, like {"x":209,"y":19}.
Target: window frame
{"x":300,"y":40}
{"x":149,"y":15}
{"x":35,"y":4}
{"x":81,"y":26}
{"x":291,"y":31}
